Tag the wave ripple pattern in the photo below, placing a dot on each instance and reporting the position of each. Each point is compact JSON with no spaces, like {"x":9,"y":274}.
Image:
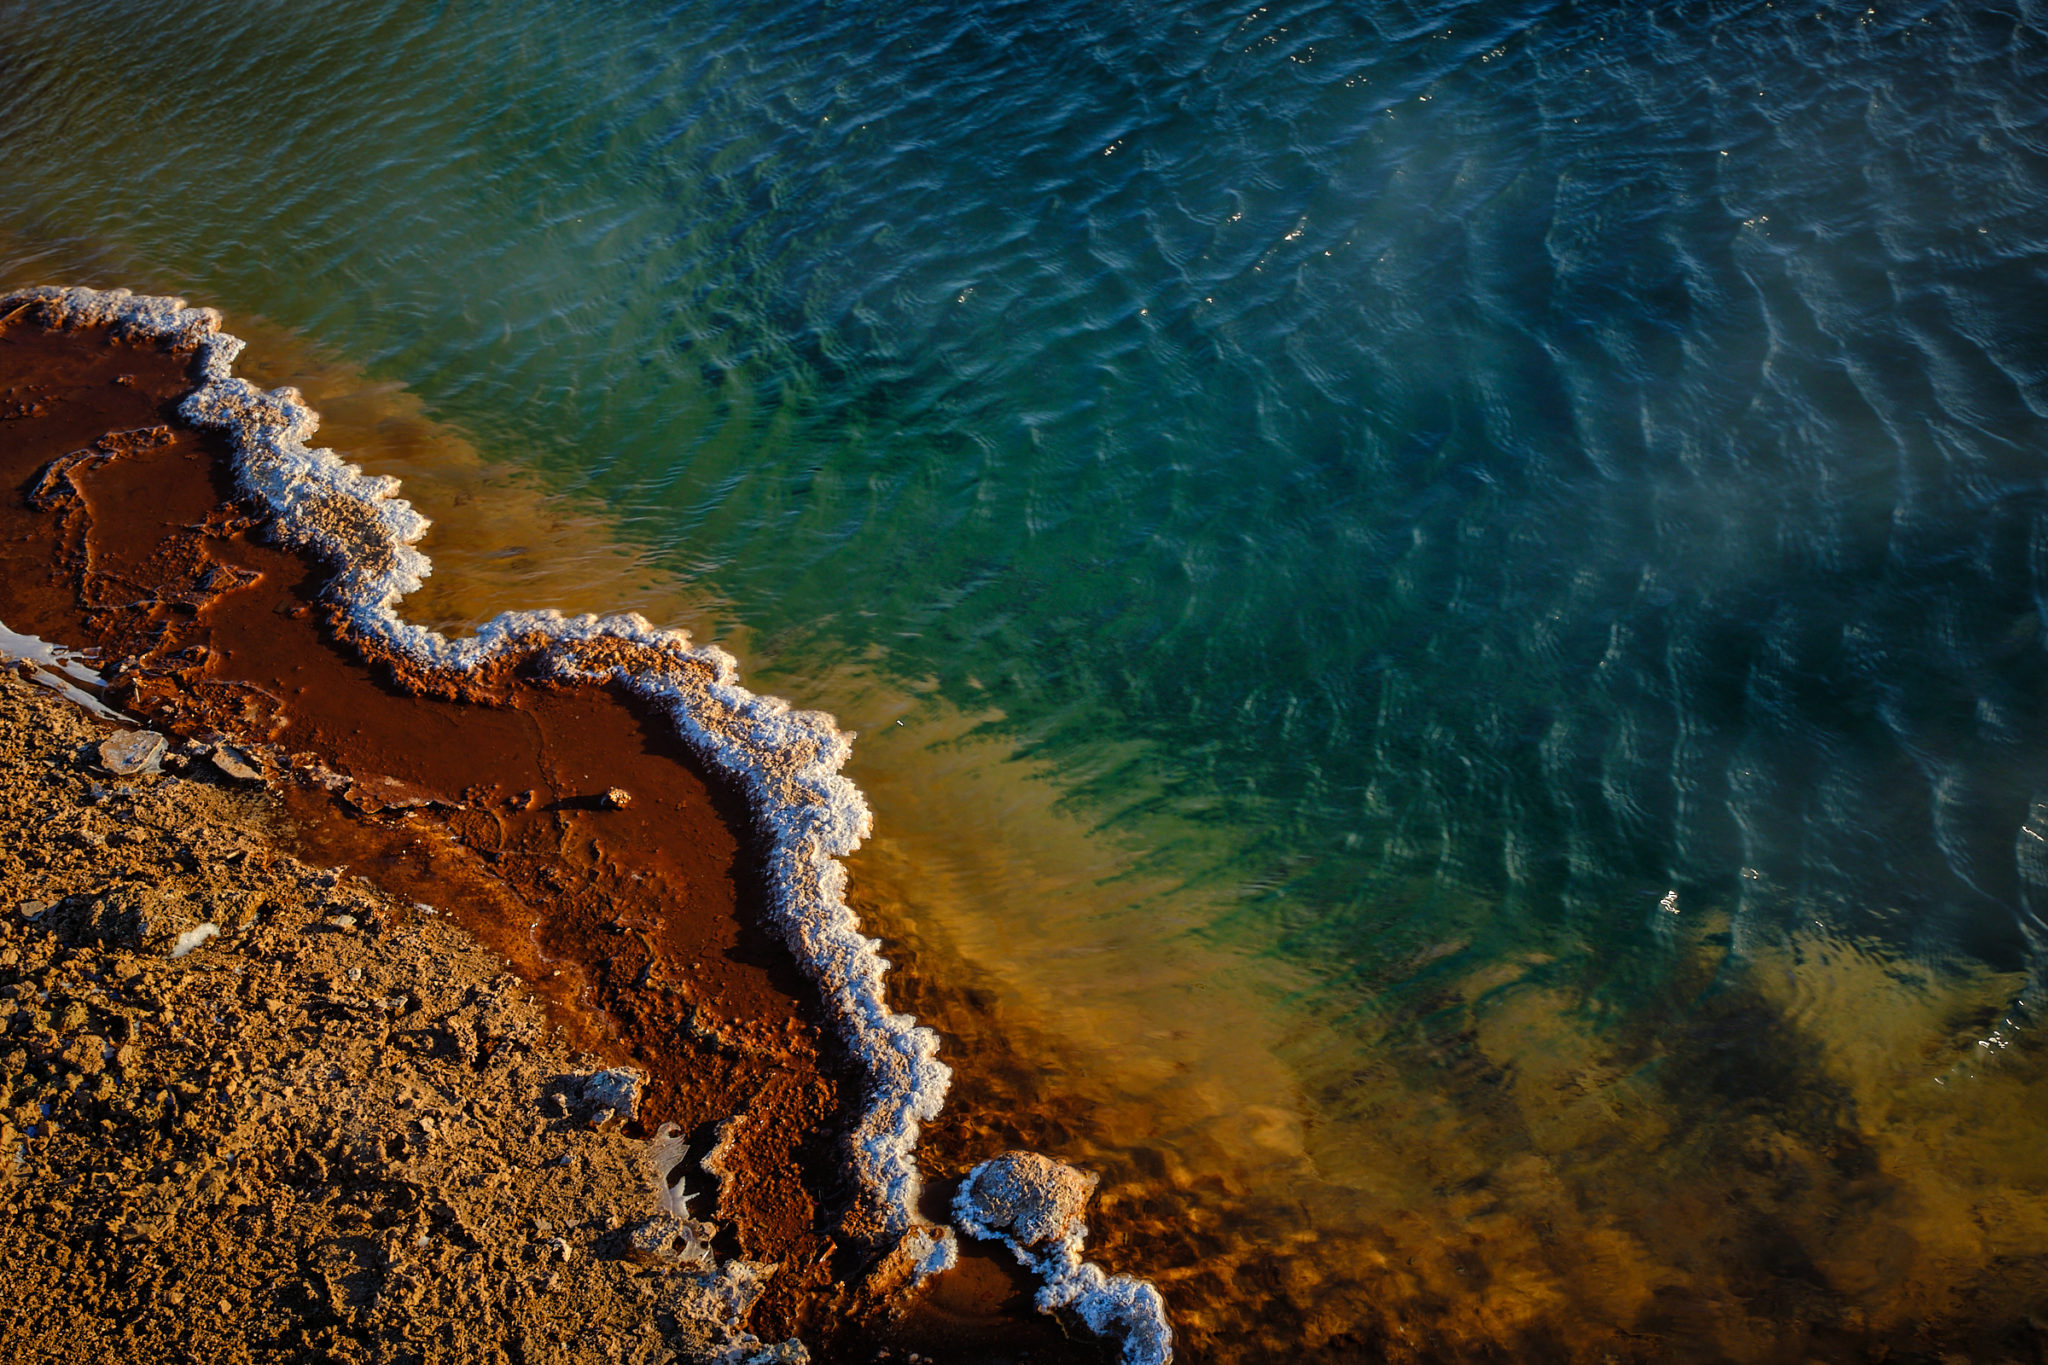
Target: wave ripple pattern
{"x":1499,"y":502}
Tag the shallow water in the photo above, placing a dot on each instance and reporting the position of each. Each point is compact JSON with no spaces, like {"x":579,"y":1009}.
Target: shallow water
{"x":1462,"y":583}
{"x":55,"y":667}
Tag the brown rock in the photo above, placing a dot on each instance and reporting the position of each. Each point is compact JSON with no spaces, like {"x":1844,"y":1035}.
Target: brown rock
{"x":132,"y":752}
{"x":236,"y":764}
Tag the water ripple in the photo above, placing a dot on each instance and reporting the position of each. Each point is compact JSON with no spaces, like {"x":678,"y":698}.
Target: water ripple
{"x":1425,"y":474}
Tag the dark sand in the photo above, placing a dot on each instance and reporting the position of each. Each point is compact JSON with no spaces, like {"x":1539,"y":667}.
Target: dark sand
{"x":637,"y":925}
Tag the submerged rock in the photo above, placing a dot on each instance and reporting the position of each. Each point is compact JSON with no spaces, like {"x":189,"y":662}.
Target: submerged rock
{"x":920,"y":1253}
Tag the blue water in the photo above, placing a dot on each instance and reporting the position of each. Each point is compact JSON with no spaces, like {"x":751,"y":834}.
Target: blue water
{"x":1522,"y":526}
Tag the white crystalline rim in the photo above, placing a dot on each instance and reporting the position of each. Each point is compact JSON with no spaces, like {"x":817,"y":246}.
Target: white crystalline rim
{"x":1111,"y":1305}
{"x":789,"y":761}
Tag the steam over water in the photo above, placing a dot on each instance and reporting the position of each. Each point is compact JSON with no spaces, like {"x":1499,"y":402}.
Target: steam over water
{"x":1464,"y":583}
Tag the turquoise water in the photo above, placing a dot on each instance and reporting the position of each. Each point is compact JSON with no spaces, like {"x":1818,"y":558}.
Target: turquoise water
{"x":1464,"y":582}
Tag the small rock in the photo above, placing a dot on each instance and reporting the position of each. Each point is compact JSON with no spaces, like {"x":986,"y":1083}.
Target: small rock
{"x":33,"y":909}
{"x":345,"y":923}
{"x":615,"y":1089}
{"x":132,"y":753}
{"x":236,"y":764}
{"x":320,"y":775}
{"x":618,"y":798}
{"x":373,"y":795}
{"x":681,"y":1241}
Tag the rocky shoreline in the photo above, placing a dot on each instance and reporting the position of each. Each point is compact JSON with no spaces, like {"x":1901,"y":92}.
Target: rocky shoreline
{"x":626,"y":842}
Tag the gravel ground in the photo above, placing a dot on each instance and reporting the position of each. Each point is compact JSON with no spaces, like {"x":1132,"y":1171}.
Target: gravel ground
{"x":331,"y":1128}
